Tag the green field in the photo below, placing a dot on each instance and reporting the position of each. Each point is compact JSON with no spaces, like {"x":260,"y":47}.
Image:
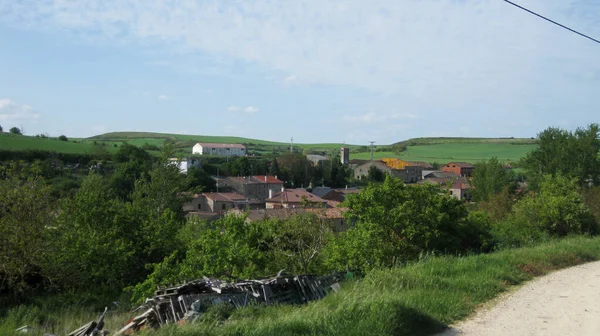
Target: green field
{"x":439,"y":150}
{"x":467,"y":152}
{"x":20,"y":143}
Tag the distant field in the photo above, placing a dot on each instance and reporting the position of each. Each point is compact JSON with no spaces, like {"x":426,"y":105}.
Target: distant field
{"x":20,"y":142}
{"x":467,"y":152}
{"x":419,"y":149}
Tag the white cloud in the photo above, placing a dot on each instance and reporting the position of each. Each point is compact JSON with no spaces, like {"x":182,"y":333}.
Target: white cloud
{"x":251,"y":109}
{"x":12,"y":111}
{"x":421,"y":48}
{"x":373,"y":117}
{"x":247,"y":109}
{"x":163,"y":97}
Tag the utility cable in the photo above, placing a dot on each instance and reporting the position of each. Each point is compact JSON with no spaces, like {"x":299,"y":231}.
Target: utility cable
{"x":549,"y":20}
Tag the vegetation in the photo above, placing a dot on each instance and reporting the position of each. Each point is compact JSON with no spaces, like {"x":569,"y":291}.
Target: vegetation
{"x":113,"y":224}
{"x":420,"y":299}
{"x":15,"y":130}
{"x":567,"y":153}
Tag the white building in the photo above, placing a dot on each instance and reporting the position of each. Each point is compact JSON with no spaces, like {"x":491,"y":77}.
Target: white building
{"x":219,"y":149}
{"x":185,"y":163}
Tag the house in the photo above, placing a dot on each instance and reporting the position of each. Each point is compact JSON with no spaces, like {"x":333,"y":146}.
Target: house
{"x":458,"y":186}
{"x":400,"y":169}
{"x":220,"y":203}
{"x":295,"y":198}
{"x":202,"y":148}
{"x":461,"y":191}
{"x":459,"y":168}
{"x":333,"y":216}
{"x":423,"y":164}
{"x":259,"y":187}
{"x":352,"y":164}
{"x":185,"y":163}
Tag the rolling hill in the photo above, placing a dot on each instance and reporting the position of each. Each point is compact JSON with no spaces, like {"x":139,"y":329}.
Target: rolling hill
{"x":439,"y":150}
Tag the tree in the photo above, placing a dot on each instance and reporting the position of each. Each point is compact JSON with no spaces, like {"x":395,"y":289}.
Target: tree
{"x":15,"y":130}
{"x":26,"y":211}
{"x":375,"y":174}
{"x":557,"y":209}
{"x":490,"y":178}
{"x":299,"y":241}
{"x":274,"y":168}
{"x":1,"y":130}
{"x":395,"y":223}
{"x":567,"y":153}
{"x":63,"y":138}
{"x":199,"y":180}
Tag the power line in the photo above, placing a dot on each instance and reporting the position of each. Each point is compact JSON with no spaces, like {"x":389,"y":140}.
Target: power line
{"x":549,"y":20}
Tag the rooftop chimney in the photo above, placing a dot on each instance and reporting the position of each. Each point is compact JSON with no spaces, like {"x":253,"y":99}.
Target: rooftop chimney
{"x":265,"y":178}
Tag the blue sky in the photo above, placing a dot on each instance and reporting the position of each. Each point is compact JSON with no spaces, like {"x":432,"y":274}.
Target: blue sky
{"x":319,"y":71}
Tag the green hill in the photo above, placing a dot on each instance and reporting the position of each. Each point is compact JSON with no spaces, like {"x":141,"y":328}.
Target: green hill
{"x":439,"y":150}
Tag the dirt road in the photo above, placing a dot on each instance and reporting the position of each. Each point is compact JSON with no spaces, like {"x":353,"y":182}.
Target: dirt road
{"x":566,"y":302}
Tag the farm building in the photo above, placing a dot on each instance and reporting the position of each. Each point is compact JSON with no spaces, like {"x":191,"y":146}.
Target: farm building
{"x":459,"y":168}
{"x":403,"y":170}
{"x":219,"y":149}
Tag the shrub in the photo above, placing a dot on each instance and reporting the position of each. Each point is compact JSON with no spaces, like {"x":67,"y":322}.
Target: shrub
{"x":63,"y":138}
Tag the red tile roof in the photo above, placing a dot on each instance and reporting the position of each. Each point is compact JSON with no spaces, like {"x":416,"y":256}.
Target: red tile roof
{"x":460,"y":164}
{"x":268,"y":179}
{"x":295,"y":196}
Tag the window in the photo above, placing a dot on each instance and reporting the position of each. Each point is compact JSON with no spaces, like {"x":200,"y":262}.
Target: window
{"x":199,"y":206}
{"x":223,"y":206}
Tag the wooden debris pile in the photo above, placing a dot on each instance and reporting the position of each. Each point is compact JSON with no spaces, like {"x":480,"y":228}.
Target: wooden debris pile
{"x":187,"y":302}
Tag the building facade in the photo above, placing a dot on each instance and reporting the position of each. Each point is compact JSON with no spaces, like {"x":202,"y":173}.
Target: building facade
{"x":459,"y":168}
{"x":408,"y":174}
{"x":259,"y":187}
{"x":219,"y":149}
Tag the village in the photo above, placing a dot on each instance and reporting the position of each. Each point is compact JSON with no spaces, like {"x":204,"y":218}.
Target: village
{"x":265,"y":196}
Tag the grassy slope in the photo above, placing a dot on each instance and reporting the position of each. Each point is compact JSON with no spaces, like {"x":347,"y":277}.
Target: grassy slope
{"x":143,"y":137}
{"x":20,"y":142}
{"x":468,"y":152}
{"x":420,"y":299}
{"x":432,"y":149}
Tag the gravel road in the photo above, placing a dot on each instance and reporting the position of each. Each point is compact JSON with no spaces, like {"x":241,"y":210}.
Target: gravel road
{"x":565,"y":302}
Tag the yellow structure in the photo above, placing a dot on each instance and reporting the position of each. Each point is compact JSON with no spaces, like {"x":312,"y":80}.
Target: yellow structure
{"x":396,"y":163}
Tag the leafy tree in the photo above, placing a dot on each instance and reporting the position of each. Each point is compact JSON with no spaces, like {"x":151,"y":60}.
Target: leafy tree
{"x":274,"y":168}
{"x":490,"y":178}
{"x":567,"y":153}
{"x":26,"y":210}
{"x":375,"y":174}
{"x":63,"y":138}
{"x":298,"y":242}
{"x":131,"y":164}
{"x":556,"y":210}
{"x":395,"y":223}
{"x":1,"y":130}
{"x":15,"y":130}
{"x":199,"y":180}
{"x":499,"y":206}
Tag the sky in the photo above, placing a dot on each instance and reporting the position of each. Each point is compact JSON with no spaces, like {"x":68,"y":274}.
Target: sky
{"x":338,"y":71}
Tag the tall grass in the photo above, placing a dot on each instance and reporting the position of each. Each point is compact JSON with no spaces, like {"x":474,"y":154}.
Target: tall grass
{"x":420,"y":299}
